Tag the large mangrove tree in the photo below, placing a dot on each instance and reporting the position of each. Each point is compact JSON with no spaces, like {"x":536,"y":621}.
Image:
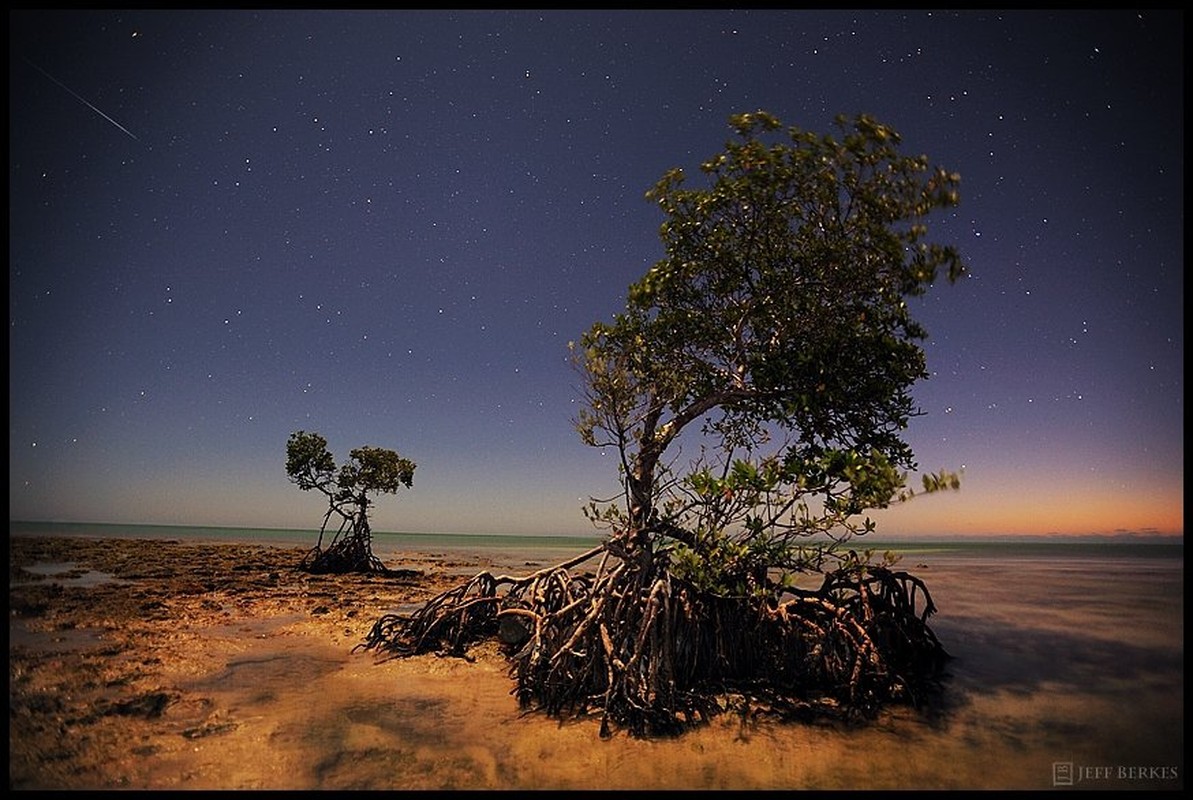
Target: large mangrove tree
{"x":755,"y":390}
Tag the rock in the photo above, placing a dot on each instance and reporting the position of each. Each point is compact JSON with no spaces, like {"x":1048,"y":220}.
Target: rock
{"x":513,"y":631}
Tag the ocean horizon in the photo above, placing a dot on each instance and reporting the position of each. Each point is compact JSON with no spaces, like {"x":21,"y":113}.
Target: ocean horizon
{"x":1028,"y":545}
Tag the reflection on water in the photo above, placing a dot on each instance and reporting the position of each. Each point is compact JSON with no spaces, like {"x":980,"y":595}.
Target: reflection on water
{"x":67,"y":574}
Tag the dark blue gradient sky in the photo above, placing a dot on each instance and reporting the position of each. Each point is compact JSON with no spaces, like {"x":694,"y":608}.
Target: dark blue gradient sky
{"x":385,"y":226}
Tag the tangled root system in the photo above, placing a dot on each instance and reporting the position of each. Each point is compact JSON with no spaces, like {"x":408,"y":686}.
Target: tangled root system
{"x":654,"y":656}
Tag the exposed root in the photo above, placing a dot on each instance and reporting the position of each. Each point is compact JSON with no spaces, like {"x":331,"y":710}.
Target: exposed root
{"x":351,"y":550}
{"x":655,"y":656}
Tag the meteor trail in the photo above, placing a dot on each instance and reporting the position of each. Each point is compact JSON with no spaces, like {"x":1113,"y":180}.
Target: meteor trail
{"x":78,"y":97}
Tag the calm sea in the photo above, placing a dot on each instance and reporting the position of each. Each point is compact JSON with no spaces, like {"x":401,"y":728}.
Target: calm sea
{"x":385,"y":543}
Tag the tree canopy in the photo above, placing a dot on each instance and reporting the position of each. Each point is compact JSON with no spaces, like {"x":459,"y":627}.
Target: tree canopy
{"x":777,"y":320}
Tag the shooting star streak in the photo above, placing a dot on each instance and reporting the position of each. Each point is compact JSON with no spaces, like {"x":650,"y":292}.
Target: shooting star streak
{"x":83,"y":101}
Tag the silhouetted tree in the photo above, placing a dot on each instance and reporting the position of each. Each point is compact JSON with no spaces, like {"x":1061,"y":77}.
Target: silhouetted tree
{"x":775,"y":339}
{"x":368,"y":470}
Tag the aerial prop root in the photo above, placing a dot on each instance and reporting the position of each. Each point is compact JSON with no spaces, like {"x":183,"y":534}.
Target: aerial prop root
{"x":653,"y":654}
{"x":470,"y":611}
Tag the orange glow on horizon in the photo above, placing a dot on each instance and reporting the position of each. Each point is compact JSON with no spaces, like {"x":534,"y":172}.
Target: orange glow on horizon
{"x":974,"y":512}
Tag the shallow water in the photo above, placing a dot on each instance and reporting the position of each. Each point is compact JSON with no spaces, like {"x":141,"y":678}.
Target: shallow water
{"x":65,"y":574}
{"x":1065,"y":667}
{"x":1058,"y":670}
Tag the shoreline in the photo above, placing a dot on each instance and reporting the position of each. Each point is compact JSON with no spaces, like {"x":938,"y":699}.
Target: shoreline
{"x":219,"y":666}
{"x":406,"y":542}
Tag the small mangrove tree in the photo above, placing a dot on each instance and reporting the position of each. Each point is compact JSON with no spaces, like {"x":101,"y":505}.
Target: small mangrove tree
{"x":369,"y":470}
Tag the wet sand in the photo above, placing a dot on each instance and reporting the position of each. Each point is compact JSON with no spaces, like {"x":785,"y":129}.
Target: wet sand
{"x":204,"y":666}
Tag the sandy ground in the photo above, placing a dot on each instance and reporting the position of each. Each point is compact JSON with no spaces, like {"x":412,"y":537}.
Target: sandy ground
{"x":223,"y":667}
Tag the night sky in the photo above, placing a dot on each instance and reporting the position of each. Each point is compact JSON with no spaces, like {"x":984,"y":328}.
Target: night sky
{"x":386,"y":226}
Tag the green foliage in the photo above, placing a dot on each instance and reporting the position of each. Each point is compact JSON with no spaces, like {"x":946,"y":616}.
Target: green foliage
{"x":369,"y":469}
{"x":373,"y":469}
{"x":777,"y":323}
{"x":308,"y":462}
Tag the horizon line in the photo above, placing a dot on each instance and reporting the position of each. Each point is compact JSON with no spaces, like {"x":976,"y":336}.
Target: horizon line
{"x":1117,"y":536}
